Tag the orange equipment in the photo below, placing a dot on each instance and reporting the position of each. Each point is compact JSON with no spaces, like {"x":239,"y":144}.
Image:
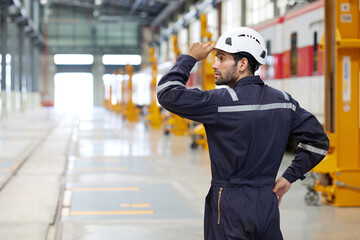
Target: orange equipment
{"x":131,"y":112}
{"x":154,"y":117}
{"x":118,"y":108}
{"x":339,"y":172}
{"x":207,"y":77}
{"x":175,"y":124}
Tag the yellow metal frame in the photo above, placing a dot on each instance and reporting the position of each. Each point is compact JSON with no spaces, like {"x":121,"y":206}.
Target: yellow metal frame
{"x":131,"y":113}
{"x":154,"y":117}
{"x":207,"y":77}
{"x":107,"y":101}
{"x":342,"y":56}
{"x":118,"y":107}
{"x":177,"y":125}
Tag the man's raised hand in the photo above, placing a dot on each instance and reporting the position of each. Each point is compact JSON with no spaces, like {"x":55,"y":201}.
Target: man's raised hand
{"x":200,"y":51}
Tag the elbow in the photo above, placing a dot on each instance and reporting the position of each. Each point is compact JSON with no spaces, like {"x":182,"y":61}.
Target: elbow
{"x":163,"y":100}
{"x":327,"y":143}
{"x":323,"y":141}
{"x":160,"y":99}
{"x":166,"y":98}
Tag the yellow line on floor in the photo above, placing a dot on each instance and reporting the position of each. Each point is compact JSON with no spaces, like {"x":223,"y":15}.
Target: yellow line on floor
{"x":111,"y":160}
{"x":16,"y":165}
{"x":135,"y":205}
{"x":99,"y":169}
{"x":104,"y":189}
{"x":98,"y":160}
{"x":131,"y":212}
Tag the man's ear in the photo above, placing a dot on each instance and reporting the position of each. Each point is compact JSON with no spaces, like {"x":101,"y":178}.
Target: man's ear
{"x":242,"y":64}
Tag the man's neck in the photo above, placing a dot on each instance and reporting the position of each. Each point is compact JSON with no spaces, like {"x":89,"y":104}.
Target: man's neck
{"x":240,"y":77}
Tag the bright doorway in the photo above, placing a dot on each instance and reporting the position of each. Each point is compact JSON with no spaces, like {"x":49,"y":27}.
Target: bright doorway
{"x":73,"y":92}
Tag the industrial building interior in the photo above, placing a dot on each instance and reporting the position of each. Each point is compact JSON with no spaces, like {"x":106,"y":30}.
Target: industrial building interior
{"x":86,"y":151}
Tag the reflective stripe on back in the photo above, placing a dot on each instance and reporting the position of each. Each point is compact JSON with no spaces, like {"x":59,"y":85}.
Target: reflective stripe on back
{"x":285,"y":95}
{"x":232,"y":94}
{"x":263,"y":107}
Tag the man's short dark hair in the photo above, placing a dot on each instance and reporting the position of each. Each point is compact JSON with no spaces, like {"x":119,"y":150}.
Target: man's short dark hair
{"x":253,"y":64}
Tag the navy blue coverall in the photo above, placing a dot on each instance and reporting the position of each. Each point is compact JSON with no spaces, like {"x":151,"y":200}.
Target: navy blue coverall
{"x":247,"y":128}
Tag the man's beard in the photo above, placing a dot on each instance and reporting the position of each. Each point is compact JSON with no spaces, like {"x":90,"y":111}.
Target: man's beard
{"x":228,"y":78}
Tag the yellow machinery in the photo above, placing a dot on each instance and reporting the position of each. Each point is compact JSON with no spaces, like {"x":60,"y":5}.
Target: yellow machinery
{"x":123,"y":89}
{"x":207,"y":82}
{"x":118,"y":107}
{"x":175,"y":124}
{"x":131,"y":113}
{"x":107,"y":100}
{"x":122,"y":102}
{"x":339,"y":172}
{"x":107,"y":96}
{"x":206,"y":71}
{"x":154,"y":116}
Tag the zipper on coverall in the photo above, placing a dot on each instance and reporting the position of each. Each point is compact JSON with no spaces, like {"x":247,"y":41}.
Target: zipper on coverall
{"x":221,"y":188}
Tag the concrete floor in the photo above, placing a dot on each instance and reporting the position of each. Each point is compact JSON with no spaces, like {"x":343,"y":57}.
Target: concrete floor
{"x":95,"y":176}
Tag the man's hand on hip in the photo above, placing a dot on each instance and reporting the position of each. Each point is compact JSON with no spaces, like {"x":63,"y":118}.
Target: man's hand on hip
{"x":200,"y":51}
{"x":281,"y":187}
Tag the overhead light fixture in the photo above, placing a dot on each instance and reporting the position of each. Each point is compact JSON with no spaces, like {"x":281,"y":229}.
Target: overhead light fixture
{"x":43,"y":2}
{"x":28,"y":29}
{"x":13,"y":11}
{"x":122,"y":59}
{"x":98,"y":2}
{"x":73,"y":59}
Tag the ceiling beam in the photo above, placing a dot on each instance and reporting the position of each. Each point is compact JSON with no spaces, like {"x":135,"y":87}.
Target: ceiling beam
{"x":166,"y":1}
{"x":75,"y":3}
{"x":168,"y":10}
{"x":135,"y":6}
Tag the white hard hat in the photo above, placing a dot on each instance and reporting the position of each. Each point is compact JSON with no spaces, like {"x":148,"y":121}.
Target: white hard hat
{"x":243,"y":39}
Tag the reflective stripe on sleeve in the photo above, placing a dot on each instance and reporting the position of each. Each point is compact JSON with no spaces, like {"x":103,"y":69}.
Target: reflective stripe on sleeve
{"x":244,"y":108}
{"x":285,"y":95}
{"x":312,"y":149}
{"x":167,"y":84}
{"x":232,"y":94}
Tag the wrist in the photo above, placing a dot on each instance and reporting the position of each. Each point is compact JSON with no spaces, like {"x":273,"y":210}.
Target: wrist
{"x":192,"y":56}
{"x":288,"y":178}
{"x":188,"y":57}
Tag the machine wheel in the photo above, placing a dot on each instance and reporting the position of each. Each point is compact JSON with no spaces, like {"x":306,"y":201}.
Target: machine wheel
{"x":193,"y":145}
{"x":311,"y":198}
{"x":310,"y":180}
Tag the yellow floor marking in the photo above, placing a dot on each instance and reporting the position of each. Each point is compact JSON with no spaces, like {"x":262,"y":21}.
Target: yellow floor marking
{"x":111,"y":160}
{"x":135,"y":205}
{"x":98,"y":160}
{"x":65,"y":211}
{"x":99,"y":169}
{"x":104,"y":189}
{"x":16,"y":165}
{"x":67,"y":198}
{"x":131,"y":212}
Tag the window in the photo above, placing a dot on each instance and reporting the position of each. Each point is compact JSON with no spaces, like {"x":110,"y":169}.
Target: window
{"x":73,"y":92}
{"x":73,"y":59}
{"x":121,"y":59}
{"x":229,"y":15}
{"x":293,"y":54}
{"x":315,"y":49}
{"x":268,"y":60}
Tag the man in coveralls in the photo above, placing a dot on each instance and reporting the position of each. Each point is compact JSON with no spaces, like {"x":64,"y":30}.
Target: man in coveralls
{"x":247,"y":126}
